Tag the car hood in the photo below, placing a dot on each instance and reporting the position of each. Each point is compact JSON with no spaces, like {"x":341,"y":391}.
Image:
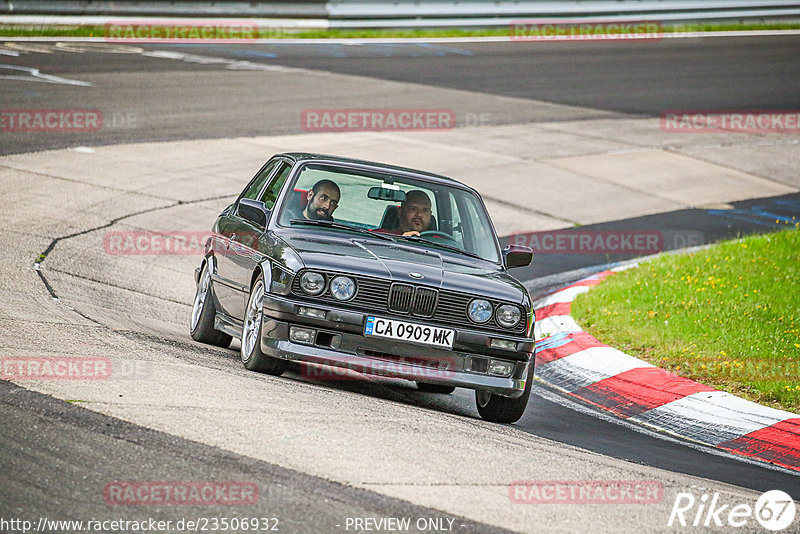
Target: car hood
{"x":396,"y":261}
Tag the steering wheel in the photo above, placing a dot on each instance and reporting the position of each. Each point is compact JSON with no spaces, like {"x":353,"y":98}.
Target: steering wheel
{"x":437,"y":234}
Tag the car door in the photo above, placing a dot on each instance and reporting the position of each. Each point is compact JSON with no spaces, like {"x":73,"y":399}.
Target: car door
{"x":248,"y":246}
{"x":229,"y":288}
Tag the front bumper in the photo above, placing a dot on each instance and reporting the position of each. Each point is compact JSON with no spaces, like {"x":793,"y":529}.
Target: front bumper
{"x":340,"y":342}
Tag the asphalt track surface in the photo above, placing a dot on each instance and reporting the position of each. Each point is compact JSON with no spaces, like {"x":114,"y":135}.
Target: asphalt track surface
{"x":122,"y":451}
{"x":638,"y":77}
{"x":174,"y":101}
{"x":149,"y":98}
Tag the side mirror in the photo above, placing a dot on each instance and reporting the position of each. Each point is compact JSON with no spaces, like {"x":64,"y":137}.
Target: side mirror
{"x":517,"y":256}
{"x":386,"y":193}
{"x":254,"y":211}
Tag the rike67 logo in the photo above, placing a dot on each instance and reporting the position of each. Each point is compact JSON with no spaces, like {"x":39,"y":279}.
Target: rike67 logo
{"x":774,"y":510}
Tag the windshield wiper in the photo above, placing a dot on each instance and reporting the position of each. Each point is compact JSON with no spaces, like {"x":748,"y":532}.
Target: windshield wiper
{"x":443,"y":245}
{"x":340,"y":226}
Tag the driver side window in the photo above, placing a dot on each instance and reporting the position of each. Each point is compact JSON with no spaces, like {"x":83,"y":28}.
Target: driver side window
{"x":258,"y":182}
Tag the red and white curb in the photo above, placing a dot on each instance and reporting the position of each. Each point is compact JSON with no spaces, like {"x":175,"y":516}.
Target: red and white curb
{"x":574,"y":362}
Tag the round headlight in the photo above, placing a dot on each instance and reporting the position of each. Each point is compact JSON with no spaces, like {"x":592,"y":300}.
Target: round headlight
{"x":343,"y":288}
{"x":312,"y":283}
{"x":480,"y":310}
{"x":508,"y":315}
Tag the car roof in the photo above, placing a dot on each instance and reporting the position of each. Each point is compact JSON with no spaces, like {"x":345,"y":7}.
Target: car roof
{"x":299,"y":157}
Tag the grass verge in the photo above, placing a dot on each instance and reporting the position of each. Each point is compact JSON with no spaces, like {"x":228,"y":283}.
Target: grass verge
{"x":49,"y":30}
{"x":727,"y":316}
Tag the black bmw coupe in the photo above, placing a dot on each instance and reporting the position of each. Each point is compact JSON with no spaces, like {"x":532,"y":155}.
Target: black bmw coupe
{"x":380,"y":269}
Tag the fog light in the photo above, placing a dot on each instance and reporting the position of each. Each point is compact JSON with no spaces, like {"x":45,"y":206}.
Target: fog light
{"x":314,"y":313}
{"x":302,"y":335}
{"x":475,"y":364}
{"x":503,"y":344}
{"x":500,"y":368}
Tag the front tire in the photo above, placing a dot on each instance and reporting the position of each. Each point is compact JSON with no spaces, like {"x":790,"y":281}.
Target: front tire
{"x":252,"y":357}
{"x":498,"y":409}
{"x":204,"y":312}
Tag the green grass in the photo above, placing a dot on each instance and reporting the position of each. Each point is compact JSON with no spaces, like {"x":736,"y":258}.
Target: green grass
{"x":19,"y":30}
{"x":727,"y":316}
{"x":265,"y":33}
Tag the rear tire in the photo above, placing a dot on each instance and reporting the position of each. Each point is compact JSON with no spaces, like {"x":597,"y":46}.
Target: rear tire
{"x":435,"y":388}
{"x":498,"y":409}
{"x":204,"y":312}
{"x":252,"y":357}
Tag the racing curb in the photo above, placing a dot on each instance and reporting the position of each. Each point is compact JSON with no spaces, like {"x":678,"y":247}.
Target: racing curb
{"x":574,"y":362}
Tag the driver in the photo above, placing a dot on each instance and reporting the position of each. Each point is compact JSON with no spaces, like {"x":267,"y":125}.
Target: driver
{"x":323,"y":199}
{"x":414,"y":214}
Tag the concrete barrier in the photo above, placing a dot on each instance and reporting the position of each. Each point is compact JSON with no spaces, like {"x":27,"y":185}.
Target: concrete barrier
{"x":416,"y":13}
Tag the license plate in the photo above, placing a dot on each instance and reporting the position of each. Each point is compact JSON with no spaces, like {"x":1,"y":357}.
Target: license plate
{"x":411,"y":332}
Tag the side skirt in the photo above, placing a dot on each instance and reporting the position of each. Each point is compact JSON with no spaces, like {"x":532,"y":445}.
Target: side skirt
{"x":229,"y":325}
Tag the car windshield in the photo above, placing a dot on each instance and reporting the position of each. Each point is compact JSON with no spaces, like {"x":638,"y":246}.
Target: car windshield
{"x":431,"y":215}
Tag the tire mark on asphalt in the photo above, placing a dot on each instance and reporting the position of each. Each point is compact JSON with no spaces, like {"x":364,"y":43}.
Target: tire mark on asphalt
{"x":98,"y":186}
{"x":117,"y":286}
{"x":37,"y":264}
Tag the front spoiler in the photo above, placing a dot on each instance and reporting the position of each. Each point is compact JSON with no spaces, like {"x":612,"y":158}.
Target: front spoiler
{"x":345,"y":346}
